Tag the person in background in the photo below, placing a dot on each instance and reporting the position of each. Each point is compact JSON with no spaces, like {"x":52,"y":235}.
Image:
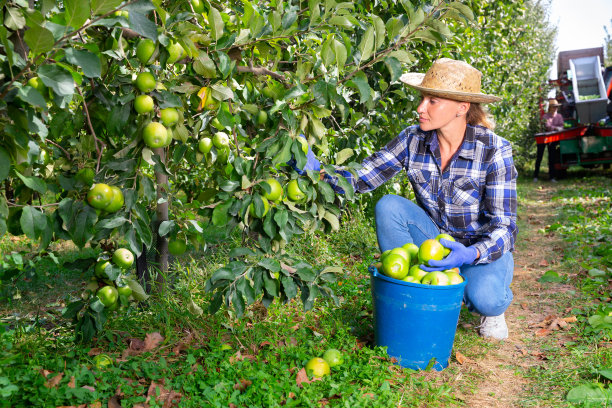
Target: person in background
{"x":464,"y":181}
{"x":553,"y":122}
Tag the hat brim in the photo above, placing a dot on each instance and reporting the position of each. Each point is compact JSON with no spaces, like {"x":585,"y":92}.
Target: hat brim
{"x":414,"y":80}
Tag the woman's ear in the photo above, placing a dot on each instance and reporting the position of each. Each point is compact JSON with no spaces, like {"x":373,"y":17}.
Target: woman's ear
{"x":464,"y":107}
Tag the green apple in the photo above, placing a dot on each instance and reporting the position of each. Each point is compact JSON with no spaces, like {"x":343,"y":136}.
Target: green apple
{"x":123,"y":258}
{"x":333,"y":357}
{"x":437,"y":278}
{"x":108,"y":295}
{"x":100,"y":195}
{"x":276,"y":190}
{"x":145,"y":82}
{"x":143,"y":104}
{"x":155,"y":135}
{"x":221,"y":140}
{"x":430,"y":249}
{"x":169,"y":116}
{"x":145,"y":51}
{"x":447,"y":237}
{"x":402,"y":252}
{"x":395,"y":266}
{"x":453,"y":276}
{"x":293,"y":191}
{"x":413,"y":251}
{"x":205,"y":145}
{"x":417,"y":273}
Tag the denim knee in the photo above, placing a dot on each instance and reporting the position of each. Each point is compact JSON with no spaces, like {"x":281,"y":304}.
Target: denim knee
{"x":386,"y":205}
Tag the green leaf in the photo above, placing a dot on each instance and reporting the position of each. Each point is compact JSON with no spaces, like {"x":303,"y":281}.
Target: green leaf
{"x":346,"y":186}
{"x":327,"y":191}
{"x":240,"y":252}
{"x":341,"y":21}
{"x":289,"y":286}
{"x":138,"y":291}
{"x":39,"y":39}
{"x":367,"y":44}
{"x":31,"y":96}
{"x":380,"y":30}
{"x":271,"y":285}
{"x":402,"y":56}
{"x":142,"y":25}
{"x":464,"y":9}
{"x":77,"y":12}
{"x":33,"y":182}
{"x":88,"y":61}
{"x":33,"y":222}
{"x":112,"y":222}
{"x":270,"y":264}
{"x":343,"y":155}
{"x":238,"y":303}
{"x":7,"y":44}
{"x":14,"y":19}
{"x":589,"y":393}
{"x":394,"y":67}
{"x":216,"y":23}
{"x":281,"y":216}
{"x":166,"y":227}
{"x":5,"y":164}
{"x":340,"y":52}
{"x":58,"y":79}
{"x":551,"y":276}
{"x":219,"y":216}
{"x":99,"y":7}
{"x":224,"y":273}
{"x":360,"y":80}
{"x":333,"y":220}
{"x":205,"y":66}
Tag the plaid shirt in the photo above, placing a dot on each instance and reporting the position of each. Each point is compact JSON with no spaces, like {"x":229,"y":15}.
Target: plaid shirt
{"x":473,"y":199}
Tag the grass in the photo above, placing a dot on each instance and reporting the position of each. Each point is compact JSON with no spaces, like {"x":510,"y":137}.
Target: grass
{"x":221,"y":361}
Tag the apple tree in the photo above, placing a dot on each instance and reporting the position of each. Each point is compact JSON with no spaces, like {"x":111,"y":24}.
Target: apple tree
{"x":169,"y":125}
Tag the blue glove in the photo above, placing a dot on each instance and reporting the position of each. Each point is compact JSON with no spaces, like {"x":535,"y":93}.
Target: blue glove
{"x":460,"y":255}
{"x":311,"y":162}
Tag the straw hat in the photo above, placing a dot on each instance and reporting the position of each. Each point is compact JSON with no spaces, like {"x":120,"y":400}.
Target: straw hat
{"x":450,"y":79}
{"x":553,"y":102}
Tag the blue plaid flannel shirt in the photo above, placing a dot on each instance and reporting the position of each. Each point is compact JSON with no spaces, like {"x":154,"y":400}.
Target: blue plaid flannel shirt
{"x":474,"y":199}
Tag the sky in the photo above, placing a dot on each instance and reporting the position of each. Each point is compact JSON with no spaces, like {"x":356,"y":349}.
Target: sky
{"x":580,"y":24}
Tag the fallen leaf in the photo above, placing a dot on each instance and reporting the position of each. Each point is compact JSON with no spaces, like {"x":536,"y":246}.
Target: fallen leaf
{"x":183,"y":344}
{"x":293,"y":341}
{"x":52,"y":383}
{"x":570,"y":319}
{"x":72,"y":382}
{"x":461,"y":359}
{"x":242,"y":384}
{"x":96,"y":404}
{"x":543,"y":262}
{"x":542,"y":332}
{"x":368,"y":395}
{"x":94,"y":352}
{"x":524,"y":306}
{"x":136,"y":344}
{"x":291,"y":395}
{"x":302,"y":378}
{"x":45,"y":373}
{"x":152,"y":340}
{"x":264,"y":344}
{"x":113,"y":402}
{"x":233,"y":405}
{"x":169,"y":398}
{"x":89,"y":388}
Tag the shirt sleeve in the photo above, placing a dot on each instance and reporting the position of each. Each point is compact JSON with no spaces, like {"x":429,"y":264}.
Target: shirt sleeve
{"x":377,"y":168}
{"x":499,"y":208}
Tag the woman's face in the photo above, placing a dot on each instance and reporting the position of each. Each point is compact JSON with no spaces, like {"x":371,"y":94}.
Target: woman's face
{"x":435,"y":112}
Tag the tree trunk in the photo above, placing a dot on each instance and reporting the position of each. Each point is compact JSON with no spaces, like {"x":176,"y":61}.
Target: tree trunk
{"x":161,"y":255}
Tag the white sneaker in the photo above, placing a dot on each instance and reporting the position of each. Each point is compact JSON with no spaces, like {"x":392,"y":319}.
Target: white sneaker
{"x":493,"y":326}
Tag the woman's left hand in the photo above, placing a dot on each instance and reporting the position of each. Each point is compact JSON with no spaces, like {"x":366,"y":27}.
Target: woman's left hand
{"x":459,"y":255}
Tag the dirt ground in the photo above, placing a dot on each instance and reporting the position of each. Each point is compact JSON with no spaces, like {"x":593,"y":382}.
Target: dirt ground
{"x":527,"y":317}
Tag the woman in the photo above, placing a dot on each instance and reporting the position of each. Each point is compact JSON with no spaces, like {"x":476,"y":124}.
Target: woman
{"x":464,"y":181}
{"x":553,"y":122}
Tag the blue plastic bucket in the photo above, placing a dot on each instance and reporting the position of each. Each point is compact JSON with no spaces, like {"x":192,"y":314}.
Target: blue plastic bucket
{"x":417,"y":323}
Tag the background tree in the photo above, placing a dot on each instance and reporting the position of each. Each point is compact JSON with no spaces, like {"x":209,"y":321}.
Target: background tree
{"x":192,"y":109}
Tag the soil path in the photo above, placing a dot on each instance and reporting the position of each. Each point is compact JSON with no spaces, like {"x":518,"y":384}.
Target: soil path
{"x":535,"y":254}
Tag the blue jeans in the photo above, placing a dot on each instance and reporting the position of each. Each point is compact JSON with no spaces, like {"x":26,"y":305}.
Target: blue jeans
{"x":399,"y":220}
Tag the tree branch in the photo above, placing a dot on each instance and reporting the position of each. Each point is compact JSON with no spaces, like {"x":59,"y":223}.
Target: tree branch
{"x":260,"y":71}
{"x":97,"y":141}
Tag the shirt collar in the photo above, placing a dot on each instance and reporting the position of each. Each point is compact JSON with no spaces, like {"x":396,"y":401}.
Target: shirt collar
{"x":467,"y":147}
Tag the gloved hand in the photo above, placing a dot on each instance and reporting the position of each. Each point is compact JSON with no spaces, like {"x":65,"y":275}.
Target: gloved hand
{"x":460,"y":255}
{"x":311,"y":162}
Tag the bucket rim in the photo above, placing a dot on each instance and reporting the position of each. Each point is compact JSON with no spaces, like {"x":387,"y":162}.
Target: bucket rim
{"x":376,"y":275}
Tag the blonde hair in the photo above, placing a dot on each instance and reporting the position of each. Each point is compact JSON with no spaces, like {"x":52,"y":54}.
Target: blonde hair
{"x":479,"y":115}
